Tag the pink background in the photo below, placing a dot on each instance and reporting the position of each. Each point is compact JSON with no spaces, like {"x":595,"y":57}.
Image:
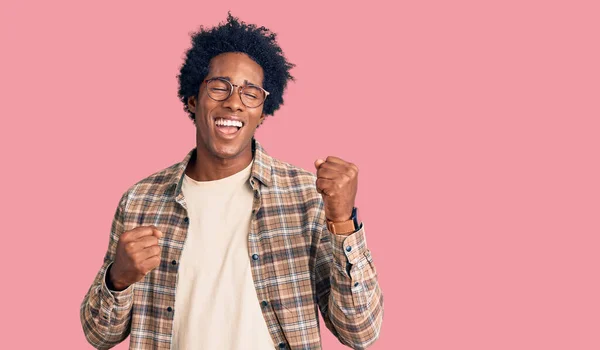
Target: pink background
{"x":475,"y":126}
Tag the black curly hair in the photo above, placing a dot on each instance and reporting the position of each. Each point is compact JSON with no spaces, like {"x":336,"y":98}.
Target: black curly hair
{"x":259,"y":43}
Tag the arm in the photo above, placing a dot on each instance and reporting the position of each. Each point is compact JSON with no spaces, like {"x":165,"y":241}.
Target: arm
{"x":106,"y":314}
{"x":348,"y":293}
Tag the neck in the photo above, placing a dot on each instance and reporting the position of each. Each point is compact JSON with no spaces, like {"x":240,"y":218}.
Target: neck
{"x":206,"y":167}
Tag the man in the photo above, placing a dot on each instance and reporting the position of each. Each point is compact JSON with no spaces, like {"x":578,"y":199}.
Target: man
{"x":231,"y":248}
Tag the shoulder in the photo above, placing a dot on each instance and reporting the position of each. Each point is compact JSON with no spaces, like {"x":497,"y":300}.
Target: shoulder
{"x":155,"y":187}
{"x":294,"y":192}
{"x":293,"y":179}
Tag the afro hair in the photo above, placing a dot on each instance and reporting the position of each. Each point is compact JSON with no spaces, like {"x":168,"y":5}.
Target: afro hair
{"x":259,"y":43}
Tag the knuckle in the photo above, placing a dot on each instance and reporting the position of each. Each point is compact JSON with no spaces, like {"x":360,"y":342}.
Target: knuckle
{"x":130,"y":247}
{"x":139,"y":266}
{"x":151,"y":264}
{"x":125,"y":236}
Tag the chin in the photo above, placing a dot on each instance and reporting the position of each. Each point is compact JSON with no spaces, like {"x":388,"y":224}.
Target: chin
{"x":225,"y":151}
{"x":221,"y":147}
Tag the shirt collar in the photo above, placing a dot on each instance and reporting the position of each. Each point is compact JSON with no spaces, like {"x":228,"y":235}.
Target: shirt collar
{"x":261,"y":168}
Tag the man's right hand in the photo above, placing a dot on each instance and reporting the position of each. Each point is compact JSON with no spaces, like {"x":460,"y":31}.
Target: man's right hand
{"x":137,"y":254}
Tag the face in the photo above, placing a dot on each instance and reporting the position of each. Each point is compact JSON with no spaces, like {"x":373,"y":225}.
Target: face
{"x":213,"y":136}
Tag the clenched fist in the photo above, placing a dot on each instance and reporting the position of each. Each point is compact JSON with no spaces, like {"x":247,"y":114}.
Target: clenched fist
{"x":137,"y":254}
{"x":337,"y":182}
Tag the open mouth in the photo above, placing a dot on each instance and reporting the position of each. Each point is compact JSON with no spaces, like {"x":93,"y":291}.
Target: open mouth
{"x":228,"y":126}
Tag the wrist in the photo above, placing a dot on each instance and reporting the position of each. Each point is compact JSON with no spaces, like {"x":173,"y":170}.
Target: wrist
{"x":345,"y":216}
{"x":113,"y":282}
{"x":340,"y":218}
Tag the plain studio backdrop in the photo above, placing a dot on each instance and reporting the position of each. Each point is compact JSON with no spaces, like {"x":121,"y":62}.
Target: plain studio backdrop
{"x":474,"y":125}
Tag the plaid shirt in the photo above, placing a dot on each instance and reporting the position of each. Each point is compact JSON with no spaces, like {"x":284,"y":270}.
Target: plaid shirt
{"x":297,"y":265}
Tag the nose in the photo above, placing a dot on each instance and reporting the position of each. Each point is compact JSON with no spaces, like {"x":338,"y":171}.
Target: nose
{"x":234,"y":102}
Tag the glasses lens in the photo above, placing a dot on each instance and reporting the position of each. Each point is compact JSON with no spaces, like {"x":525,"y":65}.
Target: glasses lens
{"x":218,"y":89}
{"x":252,"y":96}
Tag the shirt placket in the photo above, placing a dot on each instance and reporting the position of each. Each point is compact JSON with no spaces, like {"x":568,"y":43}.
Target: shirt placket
{"x":260,"y":273}
{"x":180,"y":229}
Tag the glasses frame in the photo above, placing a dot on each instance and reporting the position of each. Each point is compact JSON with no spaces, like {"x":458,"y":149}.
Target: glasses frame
{"x":240,"y":90}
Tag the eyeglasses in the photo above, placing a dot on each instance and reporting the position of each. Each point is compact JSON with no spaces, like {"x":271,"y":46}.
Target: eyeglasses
{"x":220,"y":89}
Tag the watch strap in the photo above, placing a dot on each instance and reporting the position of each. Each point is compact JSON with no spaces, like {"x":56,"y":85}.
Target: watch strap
{"x":344,"y":227}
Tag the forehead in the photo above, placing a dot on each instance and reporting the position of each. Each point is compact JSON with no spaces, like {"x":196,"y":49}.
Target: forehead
{"x":239,"y":67}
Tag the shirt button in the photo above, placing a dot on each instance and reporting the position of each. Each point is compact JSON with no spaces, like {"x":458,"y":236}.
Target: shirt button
{"x":186,"y":220}
{"x":264,"y":303}
{"x":169,"y":309}
{"x":254,"y":256}
{"x":281,"y":345}
{"x":348,"y":248}
{"x":355,"y":284}
{"x":174,"y":262}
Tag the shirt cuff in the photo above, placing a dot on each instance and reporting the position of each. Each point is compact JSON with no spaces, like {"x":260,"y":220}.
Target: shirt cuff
{"x":349,"y":251}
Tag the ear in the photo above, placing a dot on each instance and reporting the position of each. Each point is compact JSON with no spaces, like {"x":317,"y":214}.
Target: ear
{"x":192,"y":104}
{"x":261,"y":120}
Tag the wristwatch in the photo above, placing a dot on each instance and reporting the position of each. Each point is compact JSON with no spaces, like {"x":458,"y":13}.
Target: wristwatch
{"x":345,"y":227}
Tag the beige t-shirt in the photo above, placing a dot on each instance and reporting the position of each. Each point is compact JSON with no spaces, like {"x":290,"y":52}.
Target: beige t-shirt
{"x":216,"y":306}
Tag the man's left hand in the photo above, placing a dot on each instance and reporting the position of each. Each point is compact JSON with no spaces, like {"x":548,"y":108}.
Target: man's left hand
{"x":337,"y":182}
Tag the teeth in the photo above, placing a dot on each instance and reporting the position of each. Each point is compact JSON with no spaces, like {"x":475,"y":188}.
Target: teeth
{"x":225,"y":122}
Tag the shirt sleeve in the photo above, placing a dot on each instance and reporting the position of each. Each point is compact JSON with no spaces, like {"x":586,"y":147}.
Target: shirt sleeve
{"x":348,"y":292}
{"x":106,"y":314}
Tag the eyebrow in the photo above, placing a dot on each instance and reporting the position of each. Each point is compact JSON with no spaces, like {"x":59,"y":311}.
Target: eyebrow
{"x":246,"y":82}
